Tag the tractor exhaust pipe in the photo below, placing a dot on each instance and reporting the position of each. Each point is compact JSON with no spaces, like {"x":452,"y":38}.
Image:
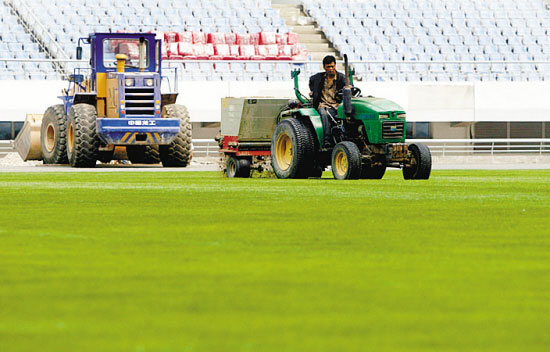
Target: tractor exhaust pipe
{"x":348,"y":109}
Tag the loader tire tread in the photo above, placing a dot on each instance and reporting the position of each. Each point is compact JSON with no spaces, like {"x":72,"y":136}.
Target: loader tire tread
{"x":56,"y":115}
{"x":84,"y":152}
{"x":180,"y":151}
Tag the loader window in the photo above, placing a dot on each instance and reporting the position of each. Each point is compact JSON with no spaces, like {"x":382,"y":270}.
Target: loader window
{"x":128,"y":47}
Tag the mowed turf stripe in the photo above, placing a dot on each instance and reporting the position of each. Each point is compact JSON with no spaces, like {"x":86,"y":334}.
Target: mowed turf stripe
{"x":194,"y":261}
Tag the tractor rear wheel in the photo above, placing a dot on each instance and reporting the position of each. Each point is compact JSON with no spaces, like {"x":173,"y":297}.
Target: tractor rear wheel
{"x":143,"y":154}
{"x":370,"y":172}
{"x":421,"y":163}
{"x":292,"y":149}
{"x":237,"y":167}
{"x":53,"y":135}
{"x":82,"y":138}
{"x":346,"y":161}
{"x":179,"y":152}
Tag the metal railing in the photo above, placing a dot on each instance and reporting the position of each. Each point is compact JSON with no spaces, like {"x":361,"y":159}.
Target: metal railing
{"x":438,"y":147}
{"x":390,"y":70}
{"x":6,"y":147}
{"x":486,"y":146}
{"x":205,"y":148}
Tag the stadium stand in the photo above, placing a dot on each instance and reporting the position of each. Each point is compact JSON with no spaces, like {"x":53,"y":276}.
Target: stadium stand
{"x":416,"y":40}
{"x":198,"y":30}
{"x":17,"y":43}
{"x":439,"y":31}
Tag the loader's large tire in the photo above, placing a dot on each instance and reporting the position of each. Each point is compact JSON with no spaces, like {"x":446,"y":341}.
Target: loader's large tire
{"x":179,"y":152}
{"x":143,"y":154}
{"x":422,"y":164}
{"x":292,"y":150}
{"x":346,"y":161}
{"x":82,"y":139}
{"x":53,"y":135}
{"x":370,"y":172}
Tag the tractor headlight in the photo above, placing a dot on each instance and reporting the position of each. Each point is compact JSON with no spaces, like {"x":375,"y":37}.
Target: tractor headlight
{"x":149,"y":82}
{"x":383,"y":116}
{"x":402,"y":116}
{"x":129,"y":82}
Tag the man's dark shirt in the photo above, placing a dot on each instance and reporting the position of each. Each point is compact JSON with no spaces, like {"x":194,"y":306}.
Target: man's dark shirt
{"x":316,"y":83}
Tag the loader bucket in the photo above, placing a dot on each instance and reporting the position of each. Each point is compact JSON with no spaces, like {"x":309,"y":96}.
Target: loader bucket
{"x":27,"y":142}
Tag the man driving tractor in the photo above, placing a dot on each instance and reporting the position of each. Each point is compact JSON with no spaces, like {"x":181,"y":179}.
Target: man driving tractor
{"x":324,"y":87}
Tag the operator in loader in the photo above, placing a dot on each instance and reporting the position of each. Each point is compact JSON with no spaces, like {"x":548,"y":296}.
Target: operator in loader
{"x":324,"y":87}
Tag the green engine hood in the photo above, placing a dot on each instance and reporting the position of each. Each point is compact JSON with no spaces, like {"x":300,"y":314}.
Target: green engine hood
{"x":389,"y":129}
{"x":369,"y":108}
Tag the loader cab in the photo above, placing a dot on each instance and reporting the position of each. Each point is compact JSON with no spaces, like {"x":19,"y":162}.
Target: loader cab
{"x":124,"y":67}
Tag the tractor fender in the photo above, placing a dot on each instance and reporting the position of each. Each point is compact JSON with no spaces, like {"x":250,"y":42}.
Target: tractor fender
{"x":313,"y":120}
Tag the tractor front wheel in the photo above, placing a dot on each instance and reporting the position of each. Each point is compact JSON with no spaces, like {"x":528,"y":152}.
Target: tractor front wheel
{"x":346,"y":161}
{"x":237,"y":167}
{"x":82,"y":138}
{"x":53,"y":135}
{"x":420,"y":163}
{"x":292,"y":149}
{"x":179,"y":152}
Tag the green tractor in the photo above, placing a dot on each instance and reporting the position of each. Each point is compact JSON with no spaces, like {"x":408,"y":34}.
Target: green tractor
{"x":369,"y":136}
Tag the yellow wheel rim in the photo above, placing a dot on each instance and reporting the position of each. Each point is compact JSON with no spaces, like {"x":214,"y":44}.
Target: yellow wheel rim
{"x":341,"y":163}
{"x":283,"y":151}
{"x":50,"y":138}
{"x":71,"y":138}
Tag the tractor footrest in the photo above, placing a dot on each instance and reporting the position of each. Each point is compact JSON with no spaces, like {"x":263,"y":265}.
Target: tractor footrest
{"x":130,"y":131}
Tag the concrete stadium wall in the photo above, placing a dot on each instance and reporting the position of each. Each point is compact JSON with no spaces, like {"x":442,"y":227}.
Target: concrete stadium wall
{"x":430,"y":102}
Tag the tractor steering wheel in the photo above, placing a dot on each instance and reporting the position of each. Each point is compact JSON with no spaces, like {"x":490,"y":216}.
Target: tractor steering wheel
{"x":355,"y":93}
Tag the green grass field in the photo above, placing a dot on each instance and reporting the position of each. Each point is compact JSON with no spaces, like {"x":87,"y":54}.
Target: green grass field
{"x":197,"y":262}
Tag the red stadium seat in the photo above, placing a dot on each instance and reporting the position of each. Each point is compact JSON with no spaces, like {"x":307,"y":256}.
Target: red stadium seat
{"x":281,"y":38}
{"x":185,"y":49}
{"x":170,"y":37}
{"x":267,"y":38}
{"x":292,"y":38}
{"x":255,"y":38}
{"x":234,"y":51}
{"x":208,"y":50}
{"x":216,"y":38}
{"x":221,"y":52}
{"x":225,"y":46}
{"x":242,"y":39}
{"x":199,"y":38}
{"x":171,"y":48}
{"x":230,"y":38}
{"x":185,"y":37}
{"x":199,"y":51}
{"x":248,"y":52}
{"x":285,"y":52}
{"x":269,"y":52}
